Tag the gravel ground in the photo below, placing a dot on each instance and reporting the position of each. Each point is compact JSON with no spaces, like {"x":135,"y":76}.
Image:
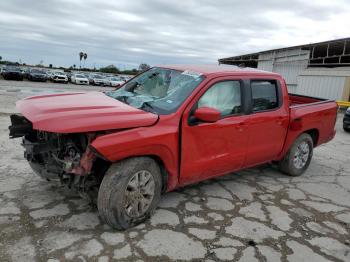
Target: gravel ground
{"x":257,"y":214}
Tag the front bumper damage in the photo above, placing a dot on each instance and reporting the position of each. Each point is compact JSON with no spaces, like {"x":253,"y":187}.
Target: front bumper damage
{"x":20,"y":126}
{"x":53,"y":155}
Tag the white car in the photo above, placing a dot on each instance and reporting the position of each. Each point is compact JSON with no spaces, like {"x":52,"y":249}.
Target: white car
{"x":114,"y":81}
{"x":96,"y":80}
{"x":126,"y":78}
{"x":79,"y":79}
{"x":59,"y":77}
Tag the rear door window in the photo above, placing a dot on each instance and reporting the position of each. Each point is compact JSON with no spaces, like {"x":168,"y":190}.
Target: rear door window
{"x":264,"y":95}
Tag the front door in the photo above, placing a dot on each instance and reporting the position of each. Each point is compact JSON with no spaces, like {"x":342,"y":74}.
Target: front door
{"x":211,"y":149}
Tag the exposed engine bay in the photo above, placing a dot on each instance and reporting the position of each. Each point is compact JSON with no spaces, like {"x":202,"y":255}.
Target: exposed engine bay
{"x":64,"y":157}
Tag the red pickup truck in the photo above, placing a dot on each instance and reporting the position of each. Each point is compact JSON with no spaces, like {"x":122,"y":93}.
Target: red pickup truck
{"x":166,"y":128}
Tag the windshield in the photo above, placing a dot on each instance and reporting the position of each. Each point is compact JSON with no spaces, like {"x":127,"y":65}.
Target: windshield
{"x":79,"y":76}
{"x":158,"y":90}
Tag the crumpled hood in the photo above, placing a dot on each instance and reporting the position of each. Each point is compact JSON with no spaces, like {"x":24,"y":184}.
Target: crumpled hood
{"x":82,"y":112}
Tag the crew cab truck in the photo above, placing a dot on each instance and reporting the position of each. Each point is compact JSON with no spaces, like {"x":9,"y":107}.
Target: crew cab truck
{"x":166,"y":128}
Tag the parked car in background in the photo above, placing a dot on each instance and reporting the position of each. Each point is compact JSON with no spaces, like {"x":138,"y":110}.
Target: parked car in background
{"x":96,"y":80}
{"x":37,"y":75}
{"x":50,"y":74}
{"x":346,"y":120}
{"x":69,"y":75}
{"x":12,"y":73}
{"x":79,"y":79}
{"x":25,"y":72}
{"x":113,"y":81}
{"x":125,"y":78}
{"x":59,"y":77}
{"x":166,"y":128}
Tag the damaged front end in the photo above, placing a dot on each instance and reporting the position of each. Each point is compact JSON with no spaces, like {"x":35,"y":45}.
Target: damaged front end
{"x":65,"y":157}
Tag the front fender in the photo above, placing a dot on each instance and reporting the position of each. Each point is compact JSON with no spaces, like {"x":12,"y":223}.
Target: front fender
{"x":161,"y":142}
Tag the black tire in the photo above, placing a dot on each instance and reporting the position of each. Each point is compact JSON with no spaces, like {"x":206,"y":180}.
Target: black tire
{"x":287,"y":165}
{"x":111,"y":195}
{"x":346,"y":129}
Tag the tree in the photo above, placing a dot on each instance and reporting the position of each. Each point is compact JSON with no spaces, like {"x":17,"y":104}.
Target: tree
{"x":81,"y":55}
{"x":144,"y":67}
{"x":112,"y":69}
{"x":0,"y":57}
{"x":85,"y":57}
{"x":74,"y":66}
{"x":50,"y":65}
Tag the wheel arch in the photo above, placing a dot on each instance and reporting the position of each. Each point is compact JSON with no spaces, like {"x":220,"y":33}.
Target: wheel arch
{"x":293,"y":135}
{"x":157,"y":159}
{"x":163,"y":170}
{"x":314,"y":133}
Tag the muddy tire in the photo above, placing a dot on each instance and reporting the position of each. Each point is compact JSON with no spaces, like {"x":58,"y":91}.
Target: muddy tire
{"x":130,"y":192}
{"x":299,"y":156}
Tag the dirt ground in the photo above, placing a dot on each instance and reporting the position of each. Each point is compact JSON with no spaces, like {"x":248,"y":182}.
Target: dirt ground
{"x":254,"y":215}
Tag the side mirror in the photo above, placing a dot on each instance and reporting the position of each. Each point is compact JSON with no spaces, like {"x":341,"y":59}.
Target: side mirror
{"x":207,"y":114}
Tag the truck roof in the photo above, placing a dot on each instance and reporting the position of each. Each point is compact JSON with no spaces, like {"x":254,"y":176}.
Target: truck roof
{"x":219,"y":69}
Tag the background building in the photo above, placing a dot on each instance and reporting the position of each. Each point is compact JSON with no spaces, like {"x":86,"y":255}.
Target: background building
{"x":319,"y":69}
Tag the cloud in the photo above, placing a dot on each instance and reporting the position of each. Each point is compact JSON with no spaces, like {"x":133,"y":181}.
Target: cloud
{"x":127,"y":33}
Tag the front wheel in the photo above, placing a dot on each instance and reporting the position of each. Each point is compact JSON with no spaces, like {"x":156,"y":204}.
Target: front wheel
{"x":299,"y":156}
{"x":130,"y":192}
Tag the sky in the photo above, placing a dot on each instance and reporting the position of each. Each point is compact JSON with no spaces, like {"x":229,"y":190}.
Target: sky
{"x":129,"y":32}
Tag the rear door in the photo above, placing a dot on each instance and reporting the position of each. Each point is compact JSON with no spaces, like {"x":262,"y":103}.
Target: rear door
{"x":211,"y":149}
{"x":267,"y":123}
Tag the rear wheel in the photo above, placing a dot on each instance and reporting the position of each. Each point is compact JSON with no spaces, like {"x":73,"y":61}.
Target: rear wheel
{"x":129,"y":192}
{"x":299,"y":156}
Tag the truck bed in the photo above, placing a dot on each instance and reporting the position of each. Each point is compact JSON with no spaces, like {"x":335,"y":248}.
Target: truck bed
{"x":296,"y":100}
{"x":312,"y":115}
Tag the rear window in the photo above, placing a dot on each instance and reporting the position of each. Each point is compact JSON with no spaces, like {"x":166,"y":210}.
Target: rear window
{"x":264,"y":95}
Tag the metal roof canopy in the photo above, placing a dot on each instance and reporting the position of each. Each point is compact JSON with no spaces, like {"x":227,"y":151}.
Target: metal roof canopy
{"x":333,"y":53}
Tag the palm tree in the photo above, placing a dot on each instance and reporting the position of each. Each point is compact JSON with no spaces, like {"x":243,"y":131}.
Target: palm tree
{"x":85,"y":57}
{"x":81,"y":55}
